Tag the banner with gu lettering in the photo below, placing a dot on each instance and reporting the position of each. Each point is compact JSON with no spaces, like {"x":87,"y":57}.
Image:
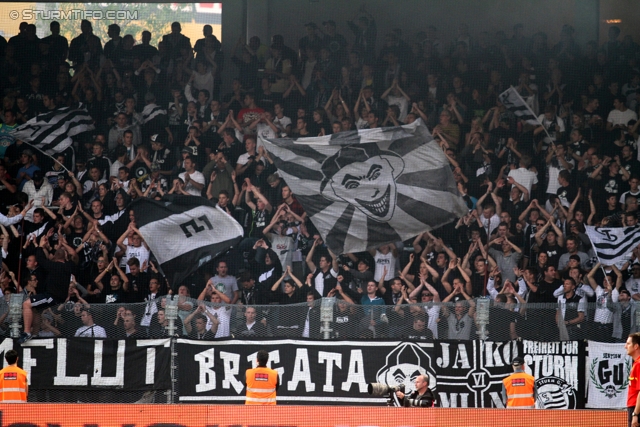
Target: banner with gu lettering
{"x":558,"y":368}
{"x":608,"y":368}
{"x":84,"y":363}
{"x":462,"y":373}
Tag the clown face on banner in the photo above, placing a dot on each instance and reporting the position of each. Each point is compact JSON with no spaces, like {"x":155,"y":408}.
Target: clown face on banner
{"x":362,"y":189}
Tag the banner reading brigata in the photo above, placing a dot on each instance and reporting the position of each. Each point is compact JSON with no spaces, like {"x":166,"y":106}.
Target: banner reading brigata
{"x":557,"y":368}
{"x":80,"y":363}
{"x":462,"y":374}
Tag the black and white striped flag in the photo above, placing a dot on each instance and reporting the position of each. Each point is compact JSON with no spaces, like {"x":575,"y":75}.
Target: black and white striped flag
{"x":152,"y":111}
{"x":52,"y":132}
{"x":185,"y":232}
{"x":513,"y":102}
{"x":614,"y":245}
{"x":365,"y":188}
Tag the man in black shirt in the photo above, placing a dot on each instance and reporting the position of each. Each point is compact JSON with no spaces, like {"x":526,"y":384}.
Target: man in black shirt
{"x":541,"y":319}
{"x":59,"y":271}
{"x":421,"y":397}
{"x":571,"y":311}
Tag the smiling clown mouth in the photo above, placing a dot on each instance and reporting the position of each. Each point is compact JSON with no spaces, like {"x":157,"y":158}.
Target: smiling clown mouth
{"x":380,"y":206}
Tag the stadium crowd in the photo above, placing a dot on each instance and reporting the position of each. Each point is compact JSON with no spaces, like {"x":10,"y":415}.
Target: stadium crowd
{"x":163,"y":126}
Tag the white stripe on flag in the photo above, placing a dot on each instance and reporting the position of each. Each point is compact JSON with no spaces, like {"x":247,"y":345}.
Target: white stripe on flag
{"x":614,"y":245}
{"x":218,"y":227}
{"x":51,"y":132}
{"x":152,"y":111}
{"x":513,"y":102}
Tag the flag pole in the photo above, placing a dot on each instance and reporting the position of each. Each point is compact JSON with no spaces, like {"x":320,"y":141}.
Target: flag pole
{"x":46,"y":154}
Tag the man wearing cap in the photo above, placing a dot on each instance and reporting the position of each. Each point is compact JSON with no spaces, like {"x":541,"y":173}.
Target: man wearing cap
{"x":38,"y":190}
{"x":519,"y":388}
{"x":633,"y":392}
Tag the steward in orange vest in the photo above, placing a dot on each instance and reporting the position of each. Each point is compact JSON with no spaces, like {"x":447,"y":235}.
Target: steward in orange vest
{"x":14,"y":386}
{"x":262,"y":382}
{"x":519,"y":388}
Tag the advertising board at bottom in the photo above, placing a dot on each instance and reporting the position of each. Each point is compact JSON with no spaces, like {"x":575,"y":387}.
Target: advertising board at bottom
{"x":181,"y":415}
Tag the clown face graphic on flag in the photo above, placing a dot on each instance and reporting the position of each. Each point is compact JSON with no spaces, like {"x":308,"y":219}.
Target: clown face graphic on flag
{"x":364,"y":177}
{"x":365,"y":188}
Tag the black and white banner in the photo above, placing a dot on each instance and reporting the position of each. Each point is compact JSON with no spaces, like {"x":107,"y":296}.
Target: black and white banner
{"x":365,"y":188}
{"x":558,"y":368}
{"x":614,"y":245}
{"x":185,"y":232}
{"x":85,"y":363}
{"x":513,"y":102}
{"x":608,"y":369}
{"x":462,"y":373}
{"x":52,"y":132}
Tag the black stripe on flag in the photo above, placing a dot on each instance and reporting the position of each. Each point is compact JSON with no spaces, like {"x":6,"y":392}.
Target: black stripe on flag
{"x":51,"y":132}
{"x":613,"y":245}
{"x":611,"y":252}
{"x":360,"y":188}
{"x":150,"y":112}
{"x":185,"y":232}
{"x":514,"y":103}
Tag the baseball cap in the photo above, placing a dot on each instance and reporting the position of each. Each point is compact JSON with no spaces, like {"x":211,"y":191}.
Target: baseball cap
{"x":311,"y":24}
{"x":27,"y":152}
{"x":364,"y":261}
{"x":38,"y":175}
{"x":517,"y":361}
{"x":187,"y":150}
{"x":157,"y":138}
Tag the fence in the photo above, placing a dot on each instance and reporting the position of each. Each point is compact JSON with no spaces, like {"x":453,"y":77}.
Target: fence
{"x":327,"y":318}
{"x":347,"y":347}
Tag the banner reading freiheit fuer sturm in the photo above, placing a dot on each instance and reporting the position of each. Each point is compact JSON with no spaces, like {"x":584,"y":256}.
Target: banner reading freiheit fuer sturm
{"x":558,"y":368}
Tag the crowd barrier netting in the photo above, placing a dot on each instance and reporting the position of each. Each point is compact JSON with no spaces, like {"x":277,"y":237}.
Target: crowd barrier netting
{"x":351,"y":346}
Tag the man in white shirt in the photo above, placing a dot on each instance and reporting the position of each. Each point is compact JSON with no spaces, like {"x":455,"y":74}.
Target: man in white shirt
{"x":633,"y":283}
{"x":193,"y":180}
{"x":88,"y":328}
{"x":523,"y":175}
{"x":619,"y":117}
{"x":282,"y":122}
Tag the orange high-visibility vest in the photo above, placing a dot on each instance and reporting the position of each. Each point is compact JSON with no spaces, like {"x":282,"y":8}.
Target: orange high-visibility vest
{"x":520,"y":387}
{"x":261,"y":386}
{"x":13,"y":385}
